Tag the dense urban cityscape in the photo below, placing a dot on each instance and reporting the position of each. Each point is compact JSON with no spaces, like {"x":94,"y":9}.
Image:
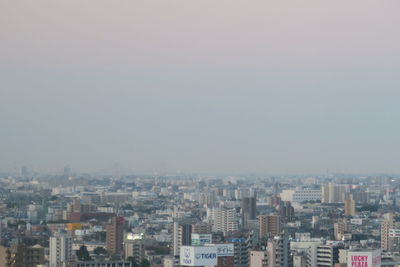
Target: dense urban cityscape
{"x":117,"y":220}
{"x":199,"y":133}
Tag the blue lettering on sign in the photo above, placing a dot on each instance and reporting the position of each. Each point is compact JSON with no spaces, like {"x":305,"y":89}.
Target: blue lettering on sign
{"x":206,"y":256}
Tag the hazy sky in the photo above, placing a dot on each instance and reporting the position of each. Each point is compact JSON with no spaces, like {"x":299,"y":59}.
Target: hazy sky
{"x":200,"y":85}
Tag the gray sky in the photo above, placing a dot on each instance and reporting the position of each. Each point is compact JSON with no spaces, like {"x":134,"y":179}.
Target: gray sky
{"x":201,"y":85}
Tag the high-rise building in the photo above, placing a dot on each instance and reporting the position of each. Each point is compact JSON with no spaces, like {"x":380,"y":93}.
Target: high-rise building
{"x":115,"y":235}
{"x":241,"y":247}
{"x":328,"y":255}
{"x":67,"y":171}
{"x":20,"y":255}
{"x":24,"y":172}
{"x":249,"y":211}
{"x":278,"y":251}
{"x":134,"y":247}
{"x":333,"y":193}
{"x":258,"y":258}
{"x":286,"y":211}
{"x":274,"y":200}
{"x":60,"y":250}
{"x":349,"y":207}
{"x":339,"y":228}
{"x":389,"y":239}
{"x":270,"y":225}
{"x":182,"y":236}
{"x":225,"y":220}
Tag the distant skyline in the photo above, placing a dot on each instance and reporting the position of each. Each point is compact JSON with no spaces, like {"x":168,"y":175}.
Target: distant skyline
{"x":200,"y":86}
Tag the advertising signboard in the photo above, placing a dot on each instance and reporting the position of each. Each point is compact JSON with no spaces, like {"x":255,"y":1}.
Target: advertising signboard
{"x":201,"y":239}
{"x":224,"y":250}
{"x":198,"y":256}
{"x":368,"y":258}
{"x":394,"y":232}
{"x":356,"y":221}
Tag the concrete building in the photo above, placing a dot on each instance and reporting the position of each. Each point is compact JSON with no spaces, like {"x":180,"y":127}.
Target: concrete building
{"x":328,"y":255}
{"x":278,"y":251}
{"x":286,"y":211}
{"x":134,"y":248}
{"x":308,"y":248}
{"x":225,"y":220}
{"x":269,"y":225}
{"x":390,"y":233}
{"x":333,"y":193}
{"x":258,"y":258}
{"x":115,"y":235}
{"x":201,"y":228}
{"x":340,"y":228}
{"x":182,"y":234}
{"x":299,"y":260}
{"x":241,"y":248}
{"x":349,"y":207}
{"x":249,"y":211}
{"x":299,"y":195}
{"x":21,"y":256}
{"x":60,"y":250}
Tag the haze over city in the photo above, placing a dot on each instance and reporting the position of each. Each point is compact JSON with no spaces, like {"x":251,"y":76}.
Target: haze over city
{"x":200,"y":86}
{"x":199,"y":133}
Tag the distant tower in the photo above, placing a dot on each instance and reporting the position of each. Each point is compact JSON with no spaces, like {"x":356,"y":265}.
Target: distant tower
{"x":67,"y":171}
{"x":24,"y":172}
{"x":116,"y":172}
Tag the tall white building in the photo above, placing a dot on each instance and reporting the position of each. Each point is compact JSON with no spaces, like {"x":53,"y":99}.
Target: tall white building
{"x":225,"y":220}
{"x":60,"y":250}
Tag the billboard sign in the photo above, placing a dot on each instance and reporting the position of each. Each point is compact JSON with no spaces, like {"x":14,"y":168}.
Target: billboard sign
{"x":371,"y":258}
{"x":356,"y":221}
{"x":201,"y":239}
{"x":224,"y":250}
{"x":394,"y":232}
{"x":198,"y":256}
